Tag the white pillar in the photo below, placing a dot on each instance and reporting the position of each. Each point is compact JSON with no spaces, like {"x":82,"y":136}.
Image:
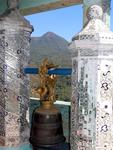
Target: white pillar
{"x":92,"y":85}
{"x":14,"y":84}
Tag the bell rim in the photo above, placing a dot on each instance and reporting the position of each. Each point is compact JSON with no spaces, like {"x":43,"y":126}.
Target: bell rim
{"x":60,"y":141}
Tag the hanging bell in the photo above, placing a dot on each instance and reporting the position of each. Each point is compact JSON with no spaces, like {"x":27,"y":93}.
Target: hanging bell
{"x":46,"y":129}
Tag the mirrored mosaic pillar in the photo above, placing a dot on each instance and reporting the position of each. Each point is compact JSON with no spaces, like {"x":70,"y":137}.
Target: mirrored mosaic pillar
{"x":14,"y":84}
{"x":92,"y":85}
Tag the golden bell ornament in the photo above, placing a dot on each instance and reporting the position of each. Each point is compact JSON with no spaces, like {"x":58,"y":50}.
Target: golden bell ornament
{"x":46,"y":129}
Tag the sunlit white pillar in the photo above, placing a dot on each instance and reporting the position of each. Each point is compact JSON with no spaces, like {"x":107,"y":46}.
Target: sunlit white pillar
{"x":14,"y":84}
{"x":92,"y":85}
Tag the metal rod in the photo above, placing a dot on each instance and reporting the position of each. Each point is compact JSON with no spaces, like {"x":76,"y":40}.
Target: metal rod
{"x":56,"y":71}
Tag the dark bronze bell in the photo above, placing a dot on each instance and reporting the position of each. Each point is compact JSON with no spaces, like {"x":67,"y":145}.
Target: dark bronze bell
{"x":46,"y":129}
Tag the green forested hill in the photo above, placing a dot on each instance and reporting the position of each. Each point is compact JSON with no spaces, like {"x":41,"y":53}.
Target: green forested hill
{"x":50,"y":46}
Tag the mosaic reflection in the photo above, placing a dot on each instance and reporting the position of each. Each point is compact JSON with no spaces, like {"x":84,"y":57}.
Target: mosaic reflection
{"x":14,"y":84}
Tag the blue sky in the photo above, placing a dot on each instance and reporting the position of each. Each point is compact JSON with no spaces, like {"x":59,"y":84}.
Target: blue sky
{"x":65,"y":22}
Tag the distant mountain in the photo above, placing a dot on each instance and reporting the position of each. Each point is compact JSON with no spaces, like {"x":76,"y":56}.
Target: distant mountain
{"x":50,"y":46}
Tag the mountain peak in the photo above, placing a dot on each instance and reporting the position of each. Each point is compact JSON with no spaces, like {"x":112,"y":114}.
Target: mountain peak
{"x":50,"y":45}
{"x":54,"y":36}
{"x":49,"y":34}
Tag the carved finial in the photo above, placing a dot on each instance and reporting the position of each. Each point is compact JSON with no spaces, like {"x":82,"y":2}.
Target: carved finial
{"x":94,"y":12}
